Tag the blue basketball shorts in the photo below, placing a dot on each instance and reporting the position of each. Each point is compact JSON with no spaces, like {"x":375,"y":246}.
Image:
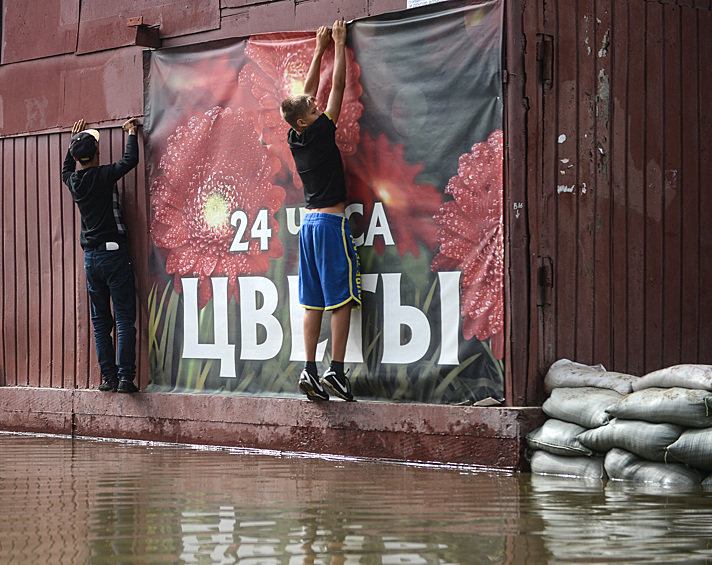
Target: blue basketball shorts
{"x":329,"y":271}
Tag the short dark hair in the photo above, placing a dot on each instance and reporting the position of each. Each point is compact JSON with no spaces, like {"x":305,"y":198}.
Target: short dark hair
{"x":295,"y":107}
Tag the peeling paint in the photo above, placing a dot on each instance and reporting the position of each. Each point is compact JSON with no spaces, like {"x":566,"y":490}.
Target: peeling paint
{"x":562,"y":138}
{"x":605,"y":42}
{"x":603,"y":96}
{"x":671,"y":178}
{"x":603,"y":159}
{"x":36,"y":112}
{"x":565,"y":189}
{"x":671,"y":185}
{"x":437,"y":433}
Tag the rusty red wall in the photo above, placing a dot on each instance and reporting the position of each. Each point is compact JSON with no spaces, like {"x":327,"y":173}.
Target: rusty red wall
{"x":46,"y":332}
{"x":65,"y":60}
{"x":617,"y":274}
{"x":70,"y":57}
{"x":618,"y":182}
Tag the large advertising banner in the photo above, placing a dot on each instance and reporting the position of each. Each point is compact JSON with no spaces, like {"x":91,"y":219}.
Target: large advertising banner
{"x":420,"y":133}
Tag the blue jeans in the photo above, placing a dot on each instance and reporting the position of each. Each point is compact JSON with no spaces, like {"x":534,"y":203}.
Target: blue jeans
{"x":110,"y":278}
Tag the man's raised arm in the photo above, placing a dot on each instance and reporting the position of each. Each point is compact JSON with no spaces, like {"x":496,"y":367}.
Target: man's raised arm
{"x":323,"y":38}
{"x":336,"y":96}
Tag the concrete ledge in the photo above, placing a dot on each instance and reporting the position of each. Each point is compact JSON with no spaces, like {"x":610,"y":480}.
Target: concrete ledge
{"x":492,"y":437}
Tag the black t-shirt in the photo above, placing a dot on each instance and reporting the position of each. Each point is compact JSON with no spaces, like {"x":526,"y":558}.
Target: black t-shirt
{"x":319,"y":164}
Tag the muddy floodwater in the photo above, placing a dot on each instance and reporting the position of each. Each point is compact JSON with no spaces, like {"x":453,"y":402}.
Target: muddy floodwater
{"x":85,"y":501}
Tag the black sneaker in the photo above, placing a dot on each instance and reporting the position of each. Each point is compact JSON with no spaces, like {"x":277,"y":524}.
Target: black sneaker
{"x":127,"y":386}
{"x":338,"y":383}
{"x":109,"y":385}
{"x":312,"y":387}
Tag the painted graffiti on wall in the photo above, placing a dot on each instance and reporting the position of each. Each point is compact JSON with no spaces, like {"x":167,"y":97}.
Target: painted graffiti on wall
{"x":420,"y":134}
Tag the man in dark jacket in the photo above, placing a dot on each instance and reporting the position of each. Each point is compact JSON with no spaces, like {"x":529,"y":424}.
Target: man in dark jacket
{"x":110,"y":277}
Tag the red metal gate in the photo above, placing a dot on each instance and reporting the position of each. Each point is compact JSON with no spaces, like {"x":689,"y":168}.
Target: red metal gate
{"x":620,"y":121}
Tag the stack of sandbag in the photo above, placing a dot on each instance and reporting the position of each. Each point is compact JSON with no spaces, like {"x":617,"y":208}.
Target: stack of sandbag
{"x":579,"y":399}
{"x":679,"y":400}
{"x":656,"y":428}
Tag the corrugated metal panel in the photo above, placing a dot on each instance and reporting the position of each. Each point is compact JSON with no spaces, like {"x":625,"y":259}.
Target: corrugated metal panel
{"x":625,"y":166}
{"x":46,"y":330}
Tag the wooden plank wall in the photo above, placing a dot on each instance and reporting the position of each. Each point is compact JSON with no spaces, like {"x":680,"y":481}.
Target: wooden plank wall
{"x":520,"y":208}
{"x":46,"y":331}
{"x":624,"y":179}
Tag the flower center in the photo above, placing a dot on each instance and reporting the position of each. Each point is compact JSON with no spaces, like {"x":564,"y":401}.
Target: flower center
{"x":294,"y":73}
{"x":389,"y":194}
{"x":216,"y":211}
{"x":474,"y":18}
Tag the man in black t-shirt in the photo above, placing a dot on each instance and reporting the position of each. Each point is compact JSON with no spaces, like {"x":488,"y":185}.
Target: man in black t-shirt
{"x":110,"y":276}
{"x":329,"y":277}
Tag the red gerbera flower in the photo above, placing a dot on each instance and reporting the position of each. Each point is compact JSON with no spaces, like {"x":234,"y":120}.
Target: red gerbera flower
{"x":216,"y":182}
{"x":471,"y":240}
{"x":279,"y":67}
{"x":379,"y":172}
{"x":181,"y":89}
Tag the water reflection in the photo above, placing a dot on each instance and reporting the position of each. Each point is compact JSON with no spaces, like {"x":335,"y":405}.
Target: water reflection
{"x":644,"y":523}
{"x":82,"y":501}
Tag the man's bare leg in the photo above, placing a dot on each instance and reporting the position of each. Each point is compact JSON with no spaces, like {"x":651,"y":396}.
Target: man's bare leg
{"x":309,"y":380}
{"x":340,"y":323}
{"x":312,"y":329}
{"x":335,"y":379}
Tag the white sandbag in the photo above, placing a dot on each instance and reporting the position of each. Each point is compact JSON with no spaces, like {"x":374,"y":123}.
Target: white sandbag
{"x":707,"y":483}
{"x":694,"y":448}
{"x":558,"y":437}
{"x":545,"y":463}
{"x":585,"y":406}
{"x":684,"y":406}
{"x":643,"y":439}
{"x":683,"y":376}
{"x":622,"y":465}
{"x":569,"y":374}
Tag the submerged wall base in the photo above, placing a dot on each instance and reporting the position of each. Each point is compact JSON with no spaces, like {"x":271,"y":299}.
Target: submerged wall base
{"x":492,"y":437}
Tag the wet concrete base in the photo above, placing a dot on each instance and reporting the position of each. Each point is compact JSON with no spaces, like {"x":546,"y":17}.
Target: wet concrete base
{"x":492,"y":436}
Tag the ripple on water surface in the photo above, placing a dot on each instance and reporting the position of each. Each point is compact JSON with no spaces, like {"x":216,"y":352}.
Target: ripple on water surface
{"x":84,"y":501}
